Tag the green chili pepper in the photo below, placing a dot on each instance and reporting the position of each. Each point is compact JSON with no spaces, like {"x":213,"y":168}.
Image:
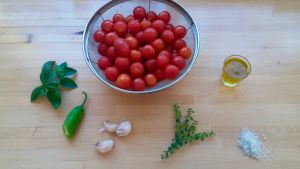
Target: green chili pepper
{"x":74,"y":118}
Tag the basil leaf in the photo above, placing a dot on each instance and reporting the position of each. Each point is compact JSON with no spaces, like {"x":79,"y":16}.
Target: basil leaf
{"x":46,"y":71}
{"x":63,"y":65}
{"x":52,"y":85}
{"x":43,"y":92}
{"x":36,"y":93}
{"x":69,"y":71}
{"x":68,"y":83}
{"x":54,"y":97}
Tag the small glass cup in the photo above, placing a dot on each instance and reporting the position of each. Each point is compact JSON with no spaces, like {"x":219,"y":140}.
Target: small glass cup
{"x":235,"y":69}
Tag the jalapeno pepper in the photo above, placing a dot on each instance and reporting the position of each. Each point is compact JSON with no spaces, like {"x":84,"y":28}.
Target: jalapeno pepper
{"x":74,"y":118}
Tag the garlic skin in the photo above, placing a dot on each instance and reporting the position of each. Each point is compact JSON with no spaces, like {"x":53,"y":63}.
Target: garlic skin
{"x":109,"y":127}
{"x":124,"y":128}
{"x":104,"y":146}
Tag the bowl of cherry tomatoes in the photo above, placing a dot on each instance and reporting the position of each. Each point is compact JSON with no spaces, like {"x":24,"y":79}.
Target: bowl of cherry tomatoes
{"x":141,"y":46}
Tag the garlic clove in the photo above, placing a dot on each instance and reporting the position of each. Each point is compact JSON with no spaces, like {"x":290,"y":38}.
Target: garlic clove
{"x":104,"y":146}
{"x":109,"y":126}
{"x":124,"y":128}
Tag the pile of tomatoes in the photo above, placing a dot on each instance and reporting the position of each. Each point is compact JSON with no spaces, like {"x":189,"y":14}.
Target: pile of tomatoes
{"x":142,"y":49}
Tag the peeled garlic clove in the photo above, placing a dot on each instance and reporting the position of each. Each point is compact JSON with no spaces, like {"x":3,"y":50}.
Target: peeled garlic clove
{"x":104,"y":146}
{"x":109,"y":126}
{"x":124,"y":128}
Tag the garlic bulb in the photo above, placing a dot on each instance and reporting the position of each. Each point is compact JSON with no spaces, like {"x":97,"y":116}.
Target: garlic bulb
{"x":109,"y":127}
{"x":124,"y":128}
{"x":104,"y":146}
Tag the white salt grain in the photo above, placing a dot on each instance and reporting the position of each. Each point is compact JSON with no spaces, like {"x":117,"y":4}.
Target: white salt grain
{"x":251,"y":145}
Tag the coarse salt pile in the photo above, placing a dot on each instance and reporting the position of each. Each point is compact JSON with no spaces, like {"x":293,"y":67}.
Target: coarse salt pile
{"x":251,"y":144}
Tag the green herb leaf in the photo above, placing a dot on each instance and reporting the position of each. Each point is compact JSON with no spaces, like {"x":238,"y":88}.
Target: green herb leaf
{"x":63,"y":65}
{"x":43,"y":91}
{"x":54,"y":97}
{"x":36,"y":93}
{"x":68,"y":83}
{"x":47,"y":71}
{"x":69,"y":71}
{"x":54,"y":84}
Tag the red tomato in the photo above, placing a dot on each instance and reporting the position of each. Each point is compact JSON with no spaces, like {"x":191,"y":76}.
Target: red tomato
{"x":151,"y":16}
{"x":174,"y":54}
{"x":169,"y":49}
{"x":159,"y":74}
{"x":103,"y":63}
{"x":134,"y":27}
{"x":110,"y":38}
{"x":99,"y":36}
{"x":162,"y":61}
{"x":158,"y":45}
{"x":179,"y":62}
{"x":139,"y":13}
{"x":102,"y":48}
{"x":132,"y":42}
{"x":165,"y":52}
{"x":135,"y":56}
{"x":111,"y":73}
{"x":168,"y":37}
{"x":121,"y":47}
{"x":159,"y":26}
{"x":124,"y":81}
{"x":185,"y":52}
{"x":120,"y":28}
{"x":129,"y":18}
{"x":111,"y":53}
{"x":179,"y":31}
{"x":128,"y":35}
{"x":139,"y":84}
{"x":171,"y":72}
{"x":178,"y":44}
{"x":165,"y":16}
{"x":122,"y":64}
{"x":148,"y":52}
{"x":151,"y":65}
{"x":145,"y":24}
{"x":136,"y":69}
{"x":139,"y":37}
{"x":170,"y":27}
{"x":150,"y":35}
{"x":107,"y":26}
{"x":117,"y":18}
{"x":150,"y":80}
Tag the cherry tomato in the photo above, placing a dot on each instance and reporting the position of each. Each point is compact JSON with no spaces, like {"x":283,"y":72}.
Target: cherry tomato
{"x":99,"y":36}
{"x":120,"y":28}
{"x":159,"y":26}
{"x":179,"y":31}
{"x":150,"y":34}
{"x":139,"y":84}
{"x":145,"y":24}
{"x":107,"y":26}
{"x":148,"y":52}
{"x":111,"y":73}
{"x":151,"y":65}
{"x":122,"y":48}
{"x":150,"y":80}
{"x":158,"y":45}
{"x":174,"y":54}
{"x":124,"y":81}
{"x":159,"y":74}
{"x":129,"y":18}
{"x":139,"y":13}
{"x":185,"y":52}
{"x":165,"y":52}
{"x":117,"y":18}
{"x":162,"y":61}
{"x":134,"y":27}
{"x":135,"y":56}
{"x":102,"y":48}
{"x":122,"y":64}
{"x":169,"y":49}
{"x":103,"y":63}
{"x":170,"y":27}
{"x":171,"y":71}
{"x":178,"y":44}
{"x":128,"y":35}
{"x":151,"y":16}
{"x":139,"y":37}
{"x":132,"y":42}
{"x":136,"y":69}
{"x":165,"y":16}
{"x":111,"y":53}
{"x":168,"y":37}
{"x":179,"y":62}
{"x":110,"y":38}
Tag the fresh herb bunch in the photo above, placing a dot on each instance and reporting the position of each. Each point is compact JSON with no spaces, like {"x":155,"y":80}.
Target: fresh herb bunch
{"x":185,"y":132}
{"x":52,"y":77}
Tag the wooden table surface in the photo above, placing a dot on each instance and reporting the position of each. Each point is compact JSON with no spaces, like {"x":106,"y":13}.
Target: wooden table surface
{"x":266,"y":32}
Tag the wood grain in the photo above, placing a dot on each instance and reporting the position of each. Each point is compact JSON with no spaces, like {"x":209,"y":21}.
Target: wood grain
{"x":267,"y":32}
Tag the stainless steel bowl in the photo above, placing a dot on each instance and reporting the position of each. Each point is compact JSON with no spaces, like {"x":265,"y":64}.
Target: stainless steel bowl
{"x":179,"y":16}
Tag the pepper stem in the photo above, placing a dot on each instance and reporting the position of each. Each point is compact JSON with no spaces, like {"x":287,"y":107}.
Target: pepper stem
{"x":85,"y":98}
